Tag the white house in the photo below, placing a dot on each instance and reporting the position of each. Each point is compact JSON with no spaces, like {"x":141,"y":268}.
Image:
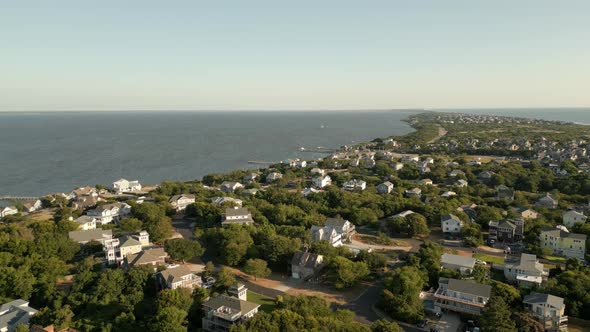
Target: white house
{"x":425,"y":182}
{"x":355,"y":185}
{"x":271,"y":177}
{"x":450,"y":223}
{"x":547,"y":309}
{"x":385,"y":187}
{"x":321,"y":181}
{"x":118,"y":248}
{"x":122,"y":185}
{"x":108,"y":213}
{"x":15,"y":313}
{"x":461,"y":183}
{"x":416,"y":192}
{"x":397,"y":166}
{"x":326,"y":233}
{"x":572,"y":217}
{"x":307,"y":191}
{"x":318,"y":171}
{"x":85,"y":222}
{"x":180,"y":202}
{"x":7,"y":211}
{"x":403,"y":214}
{"x":222,"y":200}
{"x":230,"y":187}
{"x":32,"y":205}
{"x":447,"y":194}
{"x":237,"y":215}
{"x":179,"y":277}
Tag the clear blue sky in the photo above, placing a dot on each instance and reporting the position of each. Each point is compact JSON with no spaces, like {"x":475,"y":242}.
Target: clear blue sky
{"x":321,"y":54}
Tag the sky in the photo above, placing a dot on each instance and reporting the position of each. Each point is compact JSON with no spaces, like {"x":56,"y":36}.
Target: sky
{"x":293,"y":55}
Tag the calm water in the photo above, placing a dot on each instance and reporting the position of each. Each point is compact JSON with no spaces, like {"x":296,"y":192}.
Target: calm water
{"x":55,"y":152}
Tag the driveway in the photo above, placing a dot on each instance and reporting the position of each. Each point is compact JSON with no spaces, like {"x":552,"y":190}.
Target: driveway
{"x":362,"y":306}
{"x":449,"y":322}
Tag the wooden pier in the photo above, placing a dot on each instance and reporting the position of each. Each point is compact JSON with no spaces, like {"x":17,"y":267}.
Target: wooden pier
{"x":18,"y":198}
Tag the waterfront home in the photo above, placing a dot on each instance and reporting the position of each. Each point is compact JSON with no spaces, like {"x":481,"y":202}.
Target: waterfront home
{"x":237,"y":215}
{"x":223,"y":311}
{"x":450,"y":223}
{"x":354,"y":185}
{"x":274,"y":176}
{"x":526,"y":271}
{"x":305,"y":265}
{"x":85,"y":223}
{"x":326,"y":233}
{"x":84,"y":202}
{"x":122,"y":185}
{"x":250,"y":178}
{"x":526,"y":213}
{"x":415,"y":192}
{"x":459,"y":263}
{"x":547,"y":201}
{"x":572,"y":217}
{"x":31,"y":205}
{"x":155,"y":257}
{"x":223,"y":200}
{"x":98,"y":235}
{"x":385,"y":187}
{"x":230,"y":186}
{"x":343,"y":227}
{"x":507,"y":230}
{"x":15,"y":313}
{"x":108,"y":213}
{"x":461,"y":296}
{"x":180,"y":202}
{"x":547,"y":309}
{"x":8,"y":211}
{"x":321,"y":181}
{"x":118,"y":248}
{"x":307,"y":191}
{"x":563,"y":243}
{"x":178,"y":277}
{"x":503,"y":192}
{"x":81,"y":192}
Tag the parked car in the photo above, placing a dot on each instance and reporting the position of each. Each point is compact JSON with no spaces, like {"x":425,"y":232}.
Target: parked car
{"x":422,"y":323}
{"x":208,"y":282}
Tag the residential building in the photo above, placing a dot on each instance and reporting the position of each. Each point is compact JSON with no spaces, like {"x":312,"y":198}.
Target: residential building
{"x":354,"y":185}
{"x":461,"y":296}
{"x":469,"y":210}
{"x":250,"y":178}
{"x":108,"y":213}
{"x":15,"y":313}
{"x":525,"y":271}
{"x":403,"y":214}
{"x":343,"y":227}
{"x":456,"y":173}
{"x":397,"y":166}
{"x":180,"y":202}
{"x":326,"y":233}
{"x":84,"y":237}
{"x":485,"y":176}
{"x":547,"y":201}
{"x":503,"y":192}
{"x":448,"y":194}
{"x":526,"y":213}
{"x":237,"y":215}
{"x":321,"y":181}
{"x":122,"y":185}
{"x":450,"y":223}
{"x":271,"y":177}
{"x":222,"y":200}
{"x":230,"y":187}
{"x":85,"y":223}
{"x":461,"y":183}
{"x":178,"y":277}
{"x":459,"y":263}
{"x":223,"y":311}
{"x":305,"y":265}
{"x":385,"y":187}
{"x":563,"y":243}
{"x":307,"y":191}
{"x":415,"y":192}
{"x":82,"y":192}
{"x":85,"y":202}
{"x":572,"y":217}
{"x":507,"y":230}
{"x":155,"y":256}
{"x":117,"y":249}
{"x":425,"y":182}
{"x":547,"y":309}
{"x":8,"y":211}
{"x":32,"y":205}
{"x":318,"y":171}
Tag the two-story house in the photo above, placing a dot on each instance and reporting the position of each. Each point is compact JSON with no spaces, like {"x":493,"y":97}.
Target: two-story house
{"x":506,"y":230}
{"x":155,"y":257}
{"x":15,"y":313}
{"x":547,"y":309}
{"x":503,"y":192}
{"x":222,"y":200}
{"x":450,"y":223}
{"x":122,"y":185}
{"x":525,"y":271}
{"x":343,"y":227}
{"x":230,"y":186}
{"x":385,"y":187}
{"x":354,"y":185}
{"x":178,"y":277}
{"x":119,"y":248}
{"x":459,"y":263}
{"x":108,"y":213}
{"x":272,"y":177}
{"x":86,"y":223}
{"x":8,"y":211}
{"x":31,"y":205}
{"x":563,"y":243}
{"x":526,"y":213}
{"x":415,"y":192}
{"x":223,"y":311}
{"x":98,"y":235}
{"x":321,"y":181}
{"x":572,"y":217}
{"x":180,"y":202}
{"x":237,"y":215}
{"x":461,"y":296}
{"x":547,"y":201}
{"x":326,"y":233}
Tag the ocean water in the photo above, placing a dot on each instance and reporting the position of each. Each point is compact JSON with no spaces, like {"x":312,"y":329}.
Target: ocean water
{"x":42,"y":153}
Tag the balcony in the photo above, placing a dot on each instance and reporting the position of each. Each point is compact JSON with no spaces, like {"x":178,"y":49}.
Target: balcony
{"x":441,"y":294}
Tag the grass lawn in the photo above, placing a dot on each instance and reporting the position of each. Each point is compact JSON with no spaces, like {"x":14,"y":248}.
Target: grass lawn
{"x":556,"y":259}
{"x":266,"y":303}
{"x":489,"y":258}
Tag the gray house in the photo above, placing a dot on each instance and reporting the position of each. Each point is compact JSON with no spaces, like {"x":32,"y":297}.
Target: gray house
{"x":15,"y":313}
{"x":305,"y":265}
{"x":526,"y":271}
{"x":385,"y":187}
{"x":459,"y":263}
{"x":223,"y":311}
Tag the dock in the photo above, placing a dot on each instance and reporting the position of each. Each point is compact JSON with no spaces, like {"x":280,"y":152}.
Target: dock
{"x":318,"y":150}
{"x":260,"y":162}
{"x":18,"y":198}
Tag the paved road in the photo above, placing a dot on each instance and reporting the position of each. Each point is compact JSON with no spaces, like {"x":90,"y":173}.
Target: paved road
{"x":362,"y":306}
{"x":260,"y":289}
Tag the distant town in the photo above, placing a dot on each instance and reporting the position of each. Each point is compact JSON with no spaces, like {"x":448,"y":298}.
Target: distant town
{"x":469,"y":223}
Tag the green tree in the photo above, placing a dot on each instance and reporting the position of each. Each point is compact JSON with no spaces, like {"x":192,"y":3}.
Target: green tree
{"x":257,"y":268}
{"x":401,"y":296}
{"x":184,"y":250}
{"x":225,"y":277}
{"x":383,"y":325}
{"x":346,"y":273}
{"x":131,"y":225}
{"x":496,"y":316}
{"x":180,"y":298}
{"x":170,"y":319}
